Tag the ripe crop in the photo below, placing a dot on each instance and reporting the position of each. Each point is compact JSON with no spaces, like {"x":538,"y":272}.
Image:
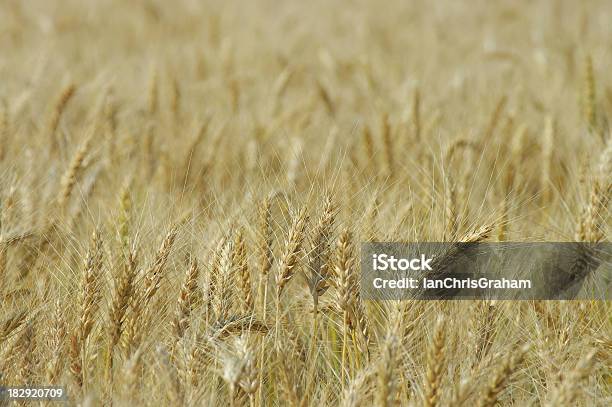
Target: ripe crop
{"x":184,"y":187}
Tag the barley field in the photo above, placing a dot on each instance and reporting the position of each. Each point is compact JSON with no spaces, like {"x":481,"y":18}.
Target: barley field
{"x":185,"y":186}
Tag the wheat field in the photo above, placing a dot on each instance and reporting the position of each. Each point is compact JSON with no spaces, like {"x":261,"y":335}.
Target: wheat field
{"x":185,"y":185}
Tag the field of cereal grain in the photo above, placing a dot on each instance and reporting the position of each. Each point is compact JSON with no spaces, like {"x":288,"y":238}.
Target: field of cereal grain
{"x":184,"y":187}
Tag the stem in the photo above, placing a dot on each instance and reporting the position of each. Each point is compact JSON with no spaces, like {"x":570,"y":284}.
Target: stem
{"x":312,"y":349}
{"x":262,"y":350}
{"x":344,"y":340}
{"x":232,"y":401}
{"x":83,"y":364}
{"x":277,"y":324}
{"x":265,"y":302}
{"x":261,"y":368}
{"x":357,"y":360}
{"x":315,"y":325}
{"x":109,"y":366}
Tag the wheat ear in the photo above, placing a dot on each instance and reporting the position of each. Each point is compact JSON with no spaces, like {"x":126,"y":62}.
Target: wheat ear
{"x":588,"y":95}
{"x":154,"y":274}
{"x":90,"y":294}
{"x":508,"y":366}
{"x":293,"y":246}
{"x":265,"y":248}
{"x":386,"y":372}
{"x":241,"y":267}
{"x":58,"y":110}
{"x":122,"y":294}
{"x":387,"y":139}
{"x":416,"y":114}
{"x":567,"y":392}
{"x":318,"y":259}
{"x":185,"y":300}
{"x":11,"y":324}
{"x":88,"y":301}
{"x":435,"y":364}
{"x":289,"y":260}
{"x":71,"y":175}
